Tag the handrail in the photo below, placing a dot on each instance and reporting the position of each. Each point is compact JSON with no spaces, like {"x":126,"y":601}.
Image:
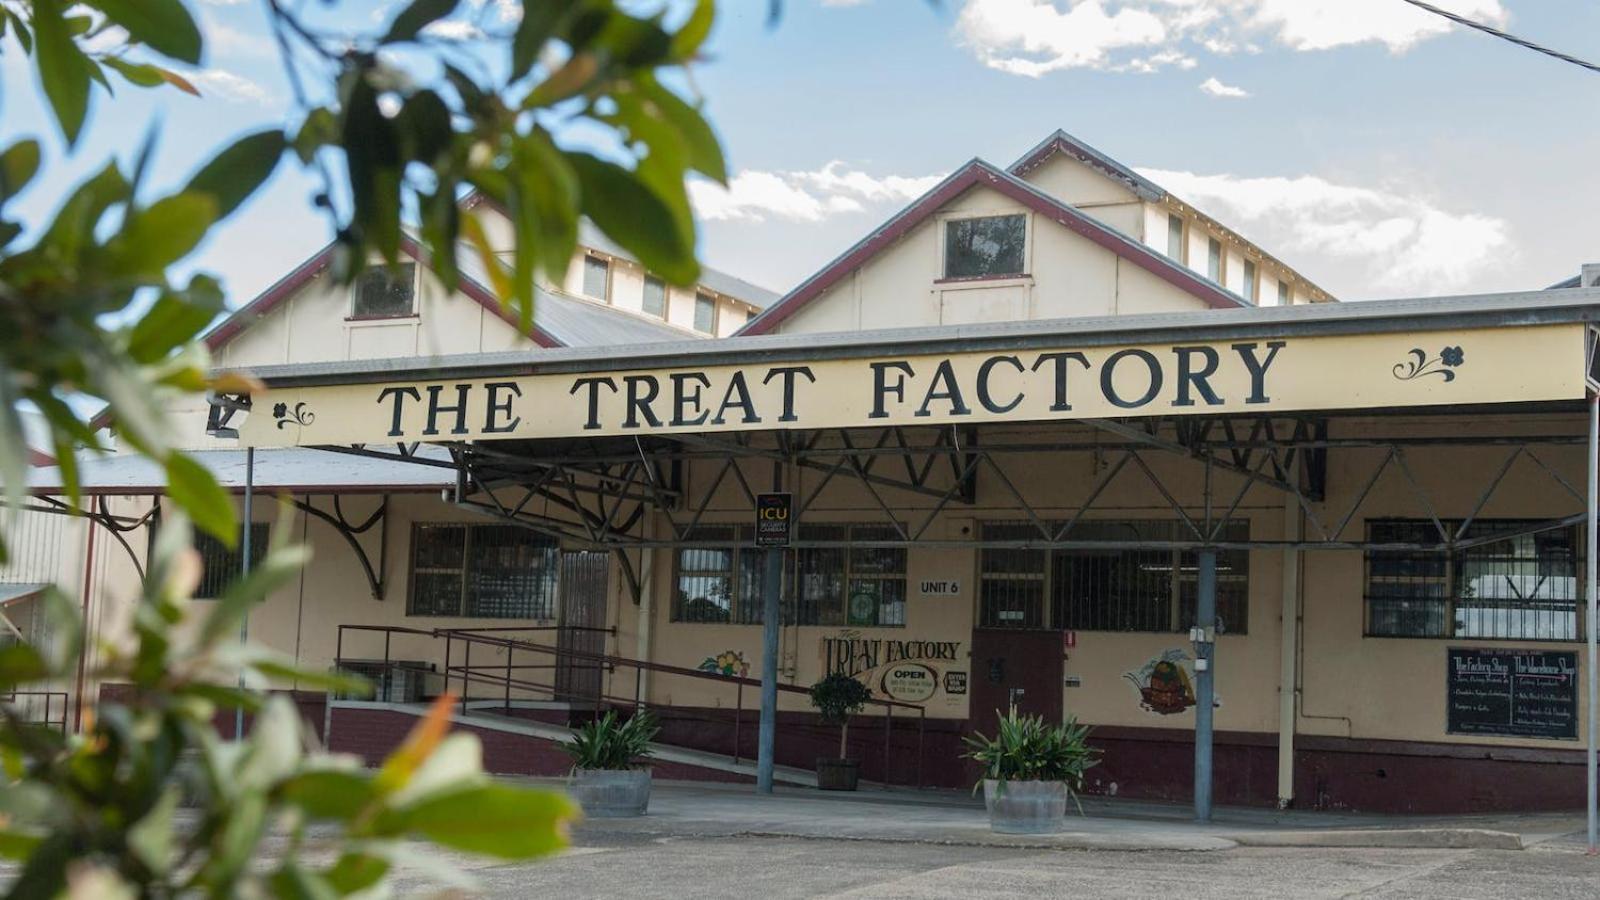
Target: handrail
{"x":49,"y":703}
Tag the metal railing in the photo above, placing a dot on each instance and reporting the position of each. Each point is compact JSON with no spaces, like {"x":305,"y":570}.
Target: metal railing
{"x":38,"y":707}
{"x":507,"y":677}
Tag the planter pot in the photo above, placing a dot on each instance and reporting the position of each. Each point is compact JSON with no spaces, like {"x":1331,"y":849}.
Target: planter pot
{"x":1025,"y":807}
{"x":837,"y":774}
{"x":610,"y":793}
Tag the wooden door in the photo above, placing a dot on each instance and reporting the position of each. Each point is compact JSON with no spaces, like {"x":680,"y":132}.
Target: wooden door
{"x":1014,"y":666}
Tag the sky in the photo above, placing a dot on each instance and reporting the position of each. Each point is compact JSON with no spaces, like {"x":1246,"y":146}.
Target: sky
{"x":1381,"y":151}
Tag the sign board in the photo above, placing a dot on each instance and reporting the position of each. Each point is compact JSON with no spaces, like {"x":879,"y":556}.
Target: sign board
{"x":1256,"y":375}
{"x":910,"y":682}
{"x":955,"y":683}
{"x":941,"y":587}
{"x":1512,"y":693}
{"x":772,"y":519}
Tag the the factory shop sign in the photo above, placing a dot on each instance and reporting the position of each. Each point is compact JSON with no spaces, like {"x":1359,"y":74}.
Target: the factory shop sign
{"x":851,"y":655}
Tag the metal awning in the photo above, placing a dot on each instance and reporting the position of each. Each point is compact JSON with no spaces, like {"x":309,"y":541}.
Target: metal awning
{"x":292,"y":469}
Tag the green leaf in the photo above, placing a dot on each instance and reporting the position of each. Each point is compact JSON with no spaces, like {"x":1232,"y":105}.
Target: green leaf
{"x":235,"y":173}
{"x":174,"y":319}
{"x":628,"y":210}
{"x":63,"y":68}
{"x":13,"y":444}
{"x":372,"y":152}
{"x":687,"y":40}
{"x":295,"y":882}
{"x":162,"y":25}
{"x":18,"y":844}
{"x":279,"y":568}
{"x":141,"y":74}
{"x":539,"y":23}
{"x":320,"y":129}
{"x":154,"y":238}
{"x":21,"y":664}
{"x":703,"y":150}
{"x":330,"y":793}
{"x":193,"y":489}
{"x":18,"y":164}
{"x":151,"y":838}
{"x":419,"y":15}
{"x":356,"y":872}
{"x":495,"y":820}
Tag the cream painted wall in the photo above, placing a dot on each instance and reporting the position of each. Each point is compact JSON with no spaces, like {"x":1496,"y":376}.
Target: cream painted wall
{"x":1075,"y":182}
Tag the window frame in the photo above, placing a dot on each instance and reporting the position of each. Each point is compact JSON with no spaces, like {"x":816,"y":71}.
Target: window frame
{"x":1216,"y":259}
{"x":590,"y":262}
{"x":1024,"y":265}
{"x":547,"y":608}
{"x":1182,"y":235}
{"x":206,"y":545}
{"x":382,"y":270}
{"x":1285,"y":294}
{"x":1252,"y":275}
{"x":711,"y":301}
{"x":644,"y":297}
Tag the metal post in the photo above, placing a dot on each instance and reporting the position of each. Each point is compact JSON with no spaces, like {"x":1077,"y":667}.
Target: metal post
{"x":771,"y":585}
{"x":244,"y":621}
{"x":1593,"y":615}
{"x":1205,"y":675}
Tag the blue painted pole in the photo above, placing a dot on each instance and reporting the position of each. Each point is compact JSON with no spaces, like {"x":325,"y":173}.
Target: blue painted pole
{"x":771,"y":585}
{"x":244,"y":557}
{"x":1205,"y":674}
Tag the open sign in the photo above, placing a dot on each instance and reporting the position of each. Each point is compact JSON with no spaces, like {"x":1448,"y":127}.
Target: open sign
{"x":910,"y":682}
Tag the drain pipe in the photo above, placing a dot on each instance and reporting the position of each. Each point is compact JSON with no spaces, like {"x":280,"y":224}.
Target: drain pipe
{"x":1288,"y":653}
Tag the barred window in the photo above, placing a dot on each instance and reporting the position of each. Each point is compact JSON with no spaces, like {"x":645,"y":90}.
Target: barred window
{"x":1524,"y":587}
{"x":384,"y":293}
{"x":1110,"y":589}
{"x":483,"y":571}
{"x":219,"y":566}
{"x":845,"y":585}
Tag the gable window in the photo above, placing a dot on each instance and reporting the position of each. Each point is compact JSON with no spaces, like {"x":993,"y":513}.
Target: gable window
{"x":1524,"y":587}
{"x":385,"y":293}
{"x":1111,"y":589}
{"x":705,"y":312}
{"x":1283,"y":293}
{"x":984,"y":247}
{"x":1214,"y":260}
{"x":482,"y":571}
{"x":597,"y":277}
{"x":1250,"y":280}
{"x":655,"y":296}
{"x":1175,"y":238}
{"x":219,"y":566}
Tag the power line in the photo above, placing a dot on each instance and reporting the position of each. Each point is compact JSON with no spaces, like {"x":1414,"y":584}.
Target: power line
{"x":1489,"y":29}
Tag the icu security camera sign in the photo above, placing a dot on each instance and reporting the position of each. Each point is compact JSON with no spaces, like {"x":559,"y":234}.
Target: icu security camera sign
{"x":772,"y":519}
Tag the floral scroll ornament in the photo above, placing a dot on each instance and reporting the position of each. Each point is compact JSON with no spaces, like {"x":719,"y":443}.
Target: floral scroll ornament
{"x":1419,"y":364}
{"x":300,"y":415}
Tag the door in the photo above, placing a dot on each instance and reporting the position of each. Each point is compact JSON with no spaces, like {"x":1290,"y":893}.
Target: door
{"x":581,"y":635}
{"x":1013,"y":666}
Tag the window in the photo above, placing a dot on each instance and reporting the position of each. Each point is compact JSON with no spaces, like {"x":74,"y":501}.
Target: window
{"x":845,"y":585}
{"x":384,"y":293}
{"x":655,"y":296}
{"x":219,"y":566}
{"x":1175,"y":238}
{"x":1283,"y":293}
{"x":1524,"y":587}
{"x":483,"y":571}
{"x":987,"y":247}
{"x":597,"y":277}
{"x":1214,"y":260}
{"x":705,"y":313}
{"x":1250,"y":280}
{"x":1111,"y":589}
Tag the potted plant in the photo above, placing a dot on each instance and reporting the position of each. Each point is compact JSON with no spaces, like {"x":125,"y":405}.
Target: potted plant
{"x":1030,"y":771}
{"x":608,"y":776}
{"x":836,"y":697}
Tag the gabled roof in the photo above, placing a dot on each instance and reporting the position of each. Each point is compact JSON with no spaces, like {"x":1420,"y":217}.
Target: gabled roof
{"x":1563,"y":284}
{"x":1061,"y":142}
{"x":975,"y":173}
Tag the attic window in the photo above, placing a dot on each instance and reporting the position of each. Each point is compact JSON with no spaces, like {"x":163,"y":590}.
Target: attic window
{"x":986,"y":247}
{"x":597,"y":277}
{"x":386,"y":293}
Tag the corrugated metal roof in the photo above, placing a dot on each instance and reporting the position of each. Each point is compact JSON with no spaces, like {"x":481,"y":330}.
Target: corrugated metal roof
{"x":718,"y":281}
{"x":14,"y":593}
{"x":297,"y":469}
{"x":1574,"y":281}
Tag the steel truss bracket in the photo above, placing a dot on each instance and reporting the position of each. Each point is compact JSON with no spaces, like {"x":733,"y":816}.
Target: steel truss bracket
{"x":219,"y":417}
{"x":351,"y":531}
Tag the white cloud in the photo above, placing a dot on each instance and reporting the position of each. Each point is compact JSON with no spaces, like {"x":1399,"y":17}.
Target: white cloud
{"x":1385,"y":239}
{"x":1035,"y":37}
{"x":810,"y":196}
{"x":454,"y":30}
{"x":227,"y":86}
{"x":1216,"y":88}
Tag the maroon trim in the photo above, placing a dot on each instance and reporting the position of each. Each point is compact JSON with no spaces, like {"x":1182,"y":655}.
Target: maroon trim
{"x":975,"y":173}
{"x":40,"y":458}
{"x":968,"y":279}
{"x":377,"y":318}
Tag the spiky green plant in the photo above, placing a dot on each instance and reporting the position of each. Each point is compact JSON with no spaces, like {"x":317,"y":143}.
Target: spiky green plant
{"x":1025,"y":748}
{"x":606,"y":743}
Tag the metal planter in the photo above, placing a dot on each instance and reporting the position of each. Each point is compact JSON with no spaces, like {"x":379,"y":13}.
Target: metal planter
{"x":610,"y":793}
{"x":1025,"y":807}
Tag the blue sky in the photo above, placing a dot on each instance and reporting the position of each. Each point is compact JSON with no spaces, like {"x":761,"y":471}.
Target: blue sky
{"x":1378,"y":150}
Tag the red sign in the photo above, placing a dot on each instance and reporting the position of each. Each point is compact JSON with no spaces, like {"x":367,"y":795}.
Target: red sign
{"x":1069,"y":639}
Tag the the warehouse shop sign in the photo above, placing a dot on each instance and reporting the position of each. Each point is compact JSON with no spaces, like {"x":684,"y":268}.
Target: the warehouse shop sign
{"x":1265,"y":375}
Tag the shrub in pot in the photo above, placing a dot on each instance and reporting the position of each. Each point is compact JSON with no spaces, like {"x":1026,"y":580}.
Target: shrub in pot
{"x":609,"y":776}
{"x":1030,"y":770}
{"x":837,"y":697}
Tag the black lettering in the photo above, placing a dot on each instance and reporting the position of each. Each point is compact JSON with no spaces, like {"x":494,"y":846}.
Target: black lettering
{"x":945,"y":374}
{"x":460,"y":409}
{"x":984,"y":397}
{"x":737,"y":386}
{"x":1108,"y":380}
{"x":501,"y":407}
{"x":882,"y":388}
{"x":788,"y":373}
{"x":686,"y":398}
{"x":1061,"y":359}
{"x":1188,"y":377}
{"x":1258,"y":368}
{"x":593,"y":384}
{"x":399,"y":394}
{"x":639,"y":401}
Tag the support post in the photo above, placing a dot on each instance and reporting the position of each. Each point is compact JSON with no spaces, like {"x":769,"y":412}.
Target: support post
{"x":1593,"y":614}
{"x":771,"y":585}
{"x":1205,"y":675}
{"x":1288,"y":655}
{"x":244,"y":565}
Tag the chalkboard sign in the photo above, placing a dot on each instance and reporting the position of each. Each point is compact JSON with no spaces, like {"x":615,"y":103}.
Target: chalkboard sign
{"x":1513,"y":693}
